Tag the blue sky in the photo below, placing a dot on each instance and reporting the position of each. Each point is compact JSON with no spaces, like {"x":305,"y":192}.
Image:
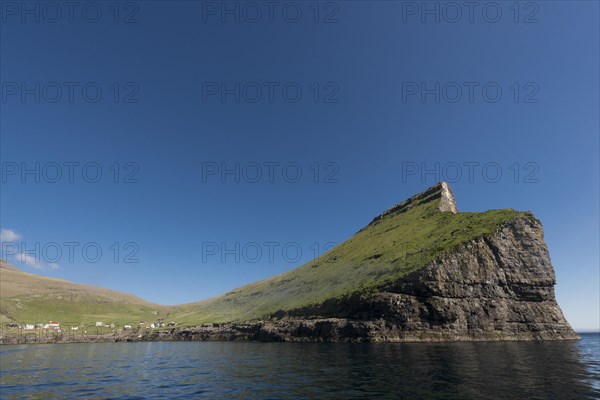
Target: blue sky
{"x":179,"y":107}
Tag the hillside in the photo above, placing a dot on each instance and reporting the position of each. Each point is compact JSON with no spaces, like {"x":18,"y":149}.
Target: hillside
{"x":396,"y":243}
{"x":420,"y":271}
{"x":30,"y":298}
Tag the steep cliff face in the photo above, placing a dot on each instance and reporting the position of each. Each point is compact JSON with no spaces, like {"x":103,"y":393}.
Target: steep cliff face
{"x":497,"y":286}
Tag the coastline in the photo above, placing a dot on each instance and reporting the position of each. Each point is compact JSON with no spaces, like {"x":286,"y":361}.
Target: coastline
{"x":292,"y":330}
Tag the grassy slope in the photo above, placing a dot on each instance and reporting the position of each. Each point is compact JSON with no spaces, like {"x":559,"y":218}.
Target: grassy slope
{"x":382,"y":252}
{"x":30,"y":298}
{"x":385,"y":250}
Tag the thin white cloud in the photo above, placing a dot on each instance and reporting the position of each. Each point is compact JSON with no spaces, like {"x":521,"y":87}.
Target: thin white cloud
{"x":29,"y":260}
{"x":8,"y":235}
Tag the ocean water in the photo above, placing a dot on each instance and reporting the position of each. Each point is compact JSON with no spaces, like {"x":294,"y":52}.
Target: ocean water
{"x":223,"y":370}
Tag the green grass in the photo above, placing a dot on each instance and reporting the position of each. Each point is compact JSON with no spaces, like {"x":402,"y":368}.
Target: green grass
{"x":28,"y":299}
{"x":373,"y":258}
{"x":76,"y":310}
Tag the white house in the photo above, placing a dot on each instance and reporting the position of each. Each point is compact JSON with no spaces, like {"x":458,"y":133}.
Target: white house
{"x":74,"y":328}
{"x":127,"y":326}
{"x":99,"y":323}
{"x":29,"y":327}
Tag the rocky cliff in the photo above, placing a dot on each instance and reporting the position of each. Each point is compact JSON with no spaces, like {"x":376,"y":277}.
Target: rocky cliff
{"x":497,"y":286}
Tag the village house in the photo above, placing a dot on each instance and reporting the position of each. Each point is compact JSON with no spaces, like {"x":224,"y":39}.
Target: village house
{"x":29,"y":327}
{"x":98,"y":323}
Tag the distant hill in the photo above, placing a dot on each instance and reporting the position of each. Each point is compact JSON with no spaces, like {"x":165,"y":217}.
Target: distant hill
{"x":30,"y":298}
